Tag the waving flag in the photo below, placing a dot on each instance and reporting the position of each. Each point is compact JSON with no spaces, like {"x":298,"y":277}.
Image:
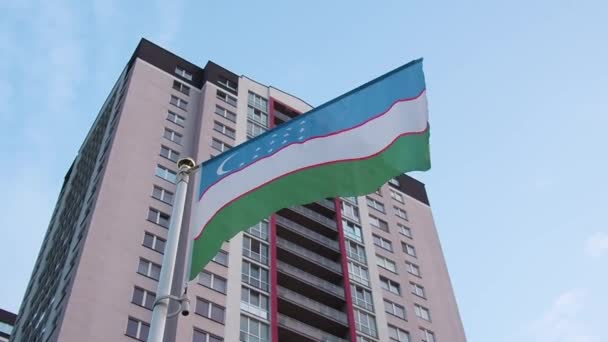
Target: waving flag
{"x":347,"y":147}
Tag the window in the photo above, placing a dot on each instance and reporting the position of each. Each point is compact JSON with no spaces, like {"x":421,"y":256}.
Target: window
{"x":138,"y":329}
{"x":225,"y":113}
{"x":365,"y":323}
{"x":143,"y":298}
{"x":386,"y":263}
{"x":154,"y":242}
{"x":383,"y":243}
{"x":351,"y":211}
{"x":397,"y":196}
{"x":394,"y":182}
{"x":227,"y":83}
{"x":394,"y":309}
{"x":210,"y":310}
{"x":413,"y":269}
{"x":158,"y":217}
{"x":179,"y":103}
{"x":254,"y":302}
{"x":260,"y":230}
{"x":427,"y":335}
{"x":390,"y":285}
{"x":378,"y":223}
{"x":257,"y":116}
{"x":422,"y":312}
{"x":372,"y":203}
{"x":355,"y":251}
{"x":201,"y":336}
{"x":401,"y":213}
{"x":398,"y":335}
{"x":358,"y":273}
{"x":253,"y":130}
{"x":166,"y":174}
{"x":176,"y":118}
{"x":254,"y":275}
{"x":169,"y":153}
{"x":258,"y":102}
{"x":409,"y":249}
{"x":364,"y":339}
{"x":173,"y":136}
{"x":226,"y":98}
{"x":221,"y":258}
{"x":162,"y":194}
{"x":418,"y":290}
{"x":352,"y":199}
{"x":362,"y":297}
{"x":182,"y":88}
{"x":352,"y":231}
{"x":255,"y":250}
{"x":220,"y":145}
{"x":212,"y":281}
{"x":148,"y":269}
{"x":253,"y":330}
{"x":405,"y":230}
{"x":183,"y":73}
{"x":225,"y":130}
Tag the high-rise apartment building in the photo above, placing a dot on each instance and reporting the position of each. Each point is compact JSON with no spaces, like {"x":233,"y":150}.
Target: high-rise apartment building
{"x":7,"y":321}
{"x":353,"y":269}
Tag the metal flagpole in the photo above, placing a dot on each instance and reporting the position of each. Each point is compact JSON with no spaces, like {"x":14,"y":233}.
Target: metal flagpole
{"x":163,"y":293}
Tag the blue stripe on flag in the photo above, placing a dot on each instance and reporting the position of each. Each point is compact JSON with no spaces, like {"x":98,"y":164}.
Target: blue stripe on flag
{"x":346,"y":111}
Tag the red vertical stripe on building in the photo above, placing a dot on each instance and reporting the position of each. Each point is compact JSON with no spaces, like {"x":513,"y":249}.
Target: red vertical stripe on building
{"x":349,"y":299}
{"x":274,"y":300}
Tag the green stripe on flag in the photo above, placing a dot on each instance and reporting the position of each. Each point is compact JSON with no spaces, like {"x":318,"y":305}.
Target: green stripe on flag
{"x":349,"y":178}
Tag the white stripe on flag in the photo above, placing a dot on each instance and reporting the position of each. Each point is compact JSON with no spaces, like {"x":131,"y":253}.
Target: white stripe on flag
{"x":363,"y":141}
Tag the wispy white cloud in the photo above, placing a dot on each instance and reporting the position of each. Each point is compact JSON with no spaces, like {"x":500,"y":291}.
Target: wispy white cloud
{"x":564,"y":320}
{"x":597,"y":245}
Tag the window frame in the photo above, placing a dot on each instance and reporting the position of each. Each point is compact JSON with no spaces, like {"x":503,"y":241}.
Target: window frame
{"x":176,"y":118}
{"x":182,"y":72}
{"x":179,"y":102}
{"x":225,"y":112}
{"x":386,"y":261}
{"x":174,"y":136}
{"x":155,"y":241}
{"x":210,"y":307}
{"x":224,"y":129}
{"x":383,"y":243}
{"x":167,"y":172}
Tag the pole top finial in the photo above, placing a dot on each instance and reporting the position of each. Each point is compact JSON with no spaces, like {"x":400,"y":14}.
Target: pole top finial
{"x":186,"y":163}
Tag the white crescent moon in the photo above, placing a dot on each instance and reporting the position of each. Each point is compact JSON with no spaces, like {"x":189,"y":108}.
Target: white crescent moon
{"x":220,"y":169}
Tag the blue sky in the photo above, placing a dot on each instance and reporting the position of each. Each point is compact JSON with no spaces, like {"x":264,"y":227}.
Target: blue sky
{"x":518,"y":95}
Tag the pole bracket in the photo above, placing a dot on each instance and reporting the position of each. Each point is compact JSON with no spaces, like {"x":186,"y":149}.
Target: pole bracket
{"x":184,"y":304}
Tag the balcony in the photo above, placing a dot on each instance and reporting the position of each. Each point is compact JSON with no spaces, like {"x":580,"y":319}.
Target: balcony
{"x":313,"y":306}
{"x":296,"y":331}
{"x":312,"y":219}
{"x":324,"y":206}
{"x":298,"y":233}
{"x":314,"y":287}
{"x":308,"y":260}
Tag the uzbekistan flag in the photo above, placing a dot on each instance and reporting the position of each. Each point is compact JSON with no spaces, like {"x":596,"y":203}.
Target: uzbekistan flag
{"x":349,"y":146}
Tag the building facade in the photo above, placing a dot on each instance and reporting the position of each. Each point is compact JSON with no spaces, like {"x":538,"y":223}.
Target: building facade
{"x":348,"y":269}
{"x":7,"y":322}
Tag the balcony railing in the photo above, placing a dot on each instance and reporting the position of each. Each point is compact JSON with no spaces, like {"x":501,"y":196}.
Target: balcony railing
{"x":307,"y":254}
{"x":329,"y":223}
{"x":312,"y":305}
{"x":327,"y":204}
{"x":307,"y":330}
{"x":310,"y":279}
{"x":299,"y":229}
